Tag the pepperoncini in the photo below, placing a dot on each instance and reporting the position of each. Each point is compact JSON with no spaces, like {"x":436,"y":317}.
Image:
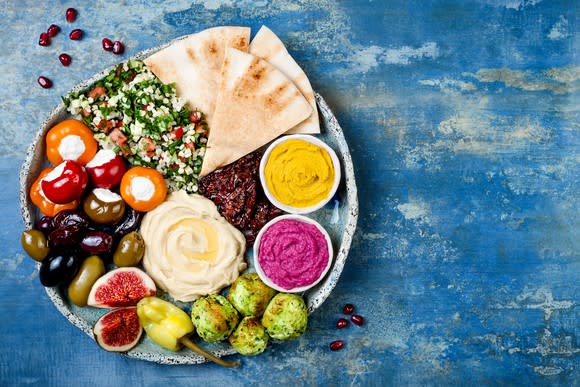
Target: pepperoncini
{"x":169,"y":326}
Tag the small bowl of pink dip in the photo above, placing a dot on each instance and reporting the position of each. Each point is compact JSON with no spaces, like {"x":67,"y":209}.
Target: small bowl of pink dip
{"x":292,"y":253}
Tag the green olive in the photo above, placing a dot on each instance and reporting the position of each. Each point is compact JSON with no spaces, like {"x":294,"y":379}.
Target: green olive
{"x":104,"y":206}
{"x":35,"y":244}
{"x":91,"y":270}
{"x":130,"y":250}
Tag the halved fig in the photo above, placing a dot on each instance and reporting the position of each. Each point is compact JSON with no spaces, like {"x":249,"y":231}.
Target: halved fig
{"x":121,"y":287}
{"x":118,"y":330}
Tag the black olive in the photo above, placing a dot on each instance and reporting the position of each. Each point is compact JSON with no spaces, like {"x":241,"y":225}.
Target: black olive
{"x":130,"y":222}
{"x":96,"y":242}
{"x":65,"y":236}
{"x":58,"y":269}
{"x":45,"y":225}
{"x":71,"y":218}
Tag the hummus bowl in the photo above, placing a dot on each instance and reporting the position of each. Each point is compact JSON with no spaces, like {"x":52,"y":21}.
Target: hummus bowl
{"x":338,"y":217}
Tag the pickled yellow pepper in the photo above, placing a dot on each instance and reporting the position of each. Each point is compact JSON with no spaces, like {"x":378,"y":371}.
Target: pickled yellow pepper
{"x":169,"y":326}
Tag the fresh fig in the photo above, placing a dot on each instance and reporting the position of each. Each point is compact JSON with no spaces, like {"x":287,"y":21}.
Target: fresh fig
{"x":121,"y":287}
{"x":118,"y":330}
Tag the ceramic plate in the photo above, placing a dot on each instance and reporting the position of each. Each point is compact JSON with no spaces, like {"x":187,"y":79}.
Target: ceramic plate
{"x":339,"y":217}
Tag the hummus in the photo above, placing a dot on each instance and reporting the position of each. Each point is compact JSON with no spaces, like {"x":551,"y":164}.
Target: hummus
{"x":293,"y":253}
{"x":190,"y":249}
{"x":299,"y":173}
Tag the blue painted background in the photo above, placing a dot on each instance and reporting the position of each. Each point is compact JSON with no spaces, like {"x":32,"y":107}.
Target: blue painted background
{"x":463,"y":122}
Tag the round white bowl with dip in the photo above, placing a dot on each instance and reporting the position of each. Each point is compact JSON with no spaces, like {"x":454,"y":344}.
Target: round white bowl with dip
{"x":300,"y":209}
{"x":281,"y":256}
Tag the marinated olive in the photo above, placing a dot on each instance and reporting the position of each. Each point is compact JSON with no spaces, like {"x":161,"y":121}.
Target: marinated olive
{"x":35,"y":244}
{"x":70,"y":218}
{"x":91,"y":269}
{"x":45,"y":225}
{"x":66,"y":236}
{"x":130,"y":222}
{"x":130,"y":250}
{"x":95,"y":242}
{"x":58,"y":269}
{"x":104,"y":206}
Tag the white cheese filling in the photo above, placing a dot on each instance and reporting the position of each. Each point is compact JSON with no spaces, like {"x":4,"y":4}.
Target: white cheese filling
{"x":55,"y":173}
{"x":142,"y":188}
{"x":71,"y":147}
{"x":106,"y":195}
{"x":102,"y":157}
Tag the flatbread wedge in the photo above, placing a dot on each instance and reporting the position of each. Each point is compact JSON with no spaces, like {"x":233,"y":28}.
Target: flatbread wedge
{"x":255,"y":104}
{"x":194,"y":64}
{"x":269,"y":47}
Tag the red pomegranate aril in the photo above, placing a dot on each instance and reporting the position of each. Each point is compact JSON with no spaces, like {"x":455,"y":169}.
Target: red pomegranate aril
{"x":118,"y":48}
{"x":65,"y":59}
{"x":107,"y":44}
{"x":76,"y":34}
{"x":44,"y":82}
{"x":341,"y":323}
{"x":337,"y":345}
{"x":357,"y":319}
{"x":53,"y":30}
{"x":348,"y":309}
{"x":71,"y":15}
{"x":194,"y":117}
{"x":44,"y":39}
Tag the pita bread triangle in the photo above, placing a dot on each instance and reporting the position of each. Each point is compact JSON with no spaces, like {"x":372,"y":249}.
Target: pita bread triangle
{"x":269,"y":47}
{"x":255,"y":104}
{"x":194,"y":64}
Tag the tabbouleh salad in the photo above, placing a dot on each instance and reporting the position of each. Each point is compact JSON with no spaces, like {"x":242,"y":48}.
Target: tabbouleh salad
{"x":132,"y":112}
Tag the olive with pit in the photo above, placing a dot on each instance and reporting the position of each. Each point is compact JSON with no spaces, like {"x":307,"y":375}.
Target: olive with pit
{"x":70,"y":218}
{"x":58,"y":269}
{"x":91,"y":270}
{"x":96,"y":242}
{"x":130,"y":222}
{"x":130,"y":250}
{"x":104,"y":206}
{"x":35,"y":244}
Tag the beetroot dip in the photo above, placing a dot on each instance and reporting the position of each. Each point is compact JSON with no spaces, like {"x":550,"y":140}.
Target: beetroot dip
{"x":293,"y":253}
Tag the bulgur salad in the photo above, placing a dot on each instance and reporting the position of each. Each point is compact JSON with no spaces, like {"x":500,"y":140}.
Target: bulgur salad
{"x":132,"y":112}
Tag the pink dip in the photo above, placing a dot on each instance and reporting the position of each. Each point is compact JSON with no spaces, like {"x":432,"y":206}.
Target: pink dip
{"x":293,"y":254}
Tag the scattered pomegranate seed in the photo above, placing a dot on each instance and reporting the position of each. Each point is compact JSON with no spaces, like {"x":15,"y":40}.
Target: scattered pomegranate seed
{"x":348,"y":309}
{"x":65,"y":59}
{"x":53,"y":30}
{"x":107,"y":44}
{"x":44,"y":39}
{"x":76,"y":34}
{"x":336,"y":345}
{"x":357,"y":319}
{"x":71,"y":15}
{"x":341,"y":323}
{"x":44,"y":82}
{"x":118,"y":48}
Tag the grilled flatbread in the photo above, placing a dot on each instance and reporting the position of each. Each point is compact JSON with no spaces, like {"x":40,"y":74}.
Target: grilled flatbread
{"x":255,"y":104}
{"x":194,"y":64}
{"x":269,"y":47}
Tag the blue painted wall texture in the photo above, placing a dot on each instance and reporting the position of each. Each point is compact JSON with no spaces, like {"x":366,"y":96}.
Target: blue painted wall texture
{"x":463,"y":123}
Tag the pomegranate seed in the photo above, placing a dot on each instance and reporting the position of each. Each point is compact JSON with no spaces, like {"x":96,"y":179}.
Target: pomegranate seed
{"x":356,"y":319}
{"x":341,"y":323}
{"x":65,"y":59}
{"x":107,"y":44}
{"x":76,"y":34}
{"x":44,"y":39}
{"x":194,"y":117}
{"x":336,"y":345}
{"x":44,"y":82}
{"x":348,"y":309}
{"x":53,"y":30}
{"x":71,"y":15}
{"x":118,"y":48}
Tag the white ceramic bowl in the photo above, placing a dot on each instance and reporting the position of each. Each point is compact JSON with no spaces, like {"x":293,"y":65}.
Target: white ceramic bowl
{"x":312,"y":140}
{"x":266,"y":279}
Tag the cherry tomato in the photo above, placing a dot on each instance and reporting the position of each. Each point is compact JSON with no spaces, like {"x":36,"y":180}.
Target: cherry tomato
{"x":106,"y":169}
{"x":46,"y":206}
{"x":143,"y":188}
{"x":65,"y":183}
{"x":70,"y":140}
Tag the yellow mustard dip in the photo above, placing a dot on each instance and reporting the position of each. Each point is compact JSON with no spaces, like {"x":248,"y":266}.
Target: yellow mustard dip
{"x":299,"y":173}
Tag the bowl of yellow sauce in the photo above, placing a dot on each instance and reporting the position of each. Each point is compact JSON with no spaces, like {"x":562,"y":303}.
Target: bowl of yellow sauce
{"x":299,"y":173}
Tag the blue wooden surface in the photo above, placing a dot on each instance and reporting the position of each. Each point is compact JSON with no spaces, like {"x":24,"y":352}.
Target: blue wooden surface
{"x":463,"y":122}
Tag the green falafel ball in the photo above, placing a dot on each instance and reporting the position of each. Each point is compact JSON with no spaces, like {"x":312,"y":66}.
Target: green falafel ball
{"x":286,"y":316}
{"x":214,"y":317}
{"x":249,"y":295}
{"x":250,"y":337}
